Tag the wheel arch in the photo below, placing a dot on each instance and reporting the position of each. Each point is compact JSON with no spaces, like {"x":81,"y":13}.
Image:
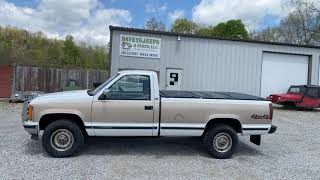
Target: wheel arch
{"x":233,"y":123}
{"x":47,"y":119}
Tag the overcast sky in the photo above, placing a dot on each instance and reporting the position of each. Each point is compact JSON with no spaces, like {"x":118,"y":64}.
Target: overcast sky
{"x":88,"y":20}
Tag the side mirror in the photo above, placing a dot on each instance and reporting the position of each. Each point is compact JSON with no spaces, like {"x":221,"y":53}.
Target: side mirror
{"x":105,"y":95}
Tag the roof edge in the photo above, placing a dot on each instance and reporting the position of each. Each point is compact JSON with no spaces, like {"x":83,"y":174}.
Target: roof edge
{"x":206,"y":37}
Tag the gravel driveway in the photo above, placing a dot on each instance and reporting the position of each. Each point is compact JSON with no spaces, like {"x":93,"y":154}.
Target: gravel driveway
{"x":293,"y":152}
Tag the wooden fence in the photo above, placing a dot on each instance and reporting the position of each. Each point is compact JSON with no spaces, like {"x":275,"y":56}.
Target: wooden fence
{"x":43,"y":79}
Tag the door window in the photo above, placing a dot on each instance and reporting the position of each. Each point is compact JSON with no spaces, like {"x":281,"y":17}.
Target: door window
{"x":130,"y":87}
{"x":313,"y":92}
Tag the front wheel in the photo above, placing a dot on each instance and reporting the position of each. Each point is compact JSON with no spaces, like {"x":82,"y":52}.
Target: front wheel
{"x":62,"y":138}
{"x":221,"y":141}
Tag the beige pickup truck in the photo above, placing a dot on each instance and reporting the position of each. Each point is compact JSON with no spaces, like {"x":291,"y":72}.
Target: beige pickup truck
{"x":130,"y":104}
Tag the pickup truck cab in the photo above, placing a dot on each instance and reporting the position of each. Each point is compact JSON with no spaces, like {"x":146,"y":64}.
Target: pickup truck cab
{"x":303,"y":97}
{"x":130,"y":104}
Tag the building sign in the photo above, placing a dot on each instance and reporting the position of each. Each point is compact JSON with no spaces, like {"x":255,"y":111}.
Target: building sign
{"x":137,"y":46}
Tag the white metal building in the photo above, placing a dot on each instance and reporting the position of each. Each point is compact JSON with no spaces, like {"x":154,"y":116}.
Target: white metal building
{"x":190,"y":62}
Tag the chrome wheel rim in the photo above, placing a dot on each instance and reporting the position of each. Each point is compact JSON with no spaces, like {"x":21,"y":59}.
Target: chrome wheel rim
{"x":61,"y":140}
{"x":222,"y":142}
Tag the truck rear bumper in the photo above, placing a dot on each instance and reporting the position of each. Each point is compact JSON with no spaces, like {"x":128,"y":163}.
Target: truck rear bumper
{"x":272,"y":129}
{"x":255,"y":129}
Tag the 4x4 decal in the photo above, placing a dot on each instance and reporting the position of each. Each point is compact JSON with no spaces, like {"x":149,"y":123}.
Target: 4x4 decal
{"x":257,"y":116}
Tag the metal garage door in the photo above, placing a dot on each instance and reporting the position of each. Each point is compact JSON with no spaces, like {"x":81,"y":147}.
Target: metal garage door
{"x":279,"y":71}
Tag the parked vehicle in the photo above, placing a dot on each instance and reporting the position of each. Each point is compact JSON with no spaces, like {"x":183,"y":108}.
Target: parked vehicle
{"x":303,"y":97}
{"x":130,"y":104}
{"x":22,"y":96}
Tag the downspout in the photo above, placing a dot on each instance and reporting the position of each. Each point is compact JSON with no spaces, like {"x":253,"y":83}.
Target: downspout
{"x":110,"y":50}
{"x":13,"y":86}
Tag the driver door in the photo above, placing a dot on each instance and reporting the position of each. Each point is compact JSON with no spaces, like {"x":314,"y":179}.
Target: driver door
{"x":125,"y":109}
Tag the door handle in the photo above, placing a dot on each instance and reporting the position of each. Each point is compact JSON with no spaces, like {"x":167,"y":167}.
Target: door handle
{"x":148,"y":107}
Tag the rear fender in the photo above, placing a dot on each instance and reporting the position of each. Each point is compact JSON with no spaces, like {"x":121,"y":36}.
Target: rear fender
{"x":228,"y":119}
{"x":223,"y":116}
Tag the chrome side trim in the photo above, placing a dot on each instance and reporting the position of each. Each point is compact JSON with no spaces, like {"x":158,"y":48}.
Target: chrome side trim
{"x":143,"y":129}
{"x":180,"y":132}
{"x":120,"y":129}
{"x":181,"y":129}
{"x":90,"y":131}
{"x":120,"y":132}
{"x":255,"y":129}
{"x":182,"y":126}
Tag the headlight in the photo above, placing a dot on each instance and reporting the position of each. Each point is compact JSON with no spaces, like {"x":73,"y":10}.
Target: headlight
{"x":30,"y":112}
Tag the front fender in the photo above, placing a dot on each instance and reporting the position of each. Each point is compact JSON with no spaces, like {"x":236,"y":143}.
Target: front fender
{"x":61,"y":111}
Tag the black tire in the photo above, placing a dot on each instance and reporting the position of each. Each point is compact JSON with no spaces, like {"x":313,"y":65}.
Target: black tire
{"x":309,"y":109}
{"x":305,"y":109}
{"x":219,"y":131}
{"x":67,"y":129}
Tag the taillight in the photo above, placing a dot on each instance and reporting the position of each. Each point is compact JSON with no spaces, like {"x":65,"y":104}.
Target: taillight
{"x":270,"y":111}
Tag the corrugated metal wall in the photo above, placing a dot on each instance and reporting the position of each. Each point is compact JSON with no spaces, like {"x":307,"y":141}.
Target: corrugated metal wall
{"x":208,"y":64}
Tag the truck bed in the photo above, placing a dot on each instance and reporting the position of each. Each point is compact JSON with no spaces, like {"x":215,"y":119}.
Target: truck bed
{"x":208,"y":95}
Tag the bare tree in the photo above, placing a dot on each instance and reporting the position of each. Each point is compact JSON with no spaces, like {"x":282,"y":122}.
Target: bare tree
{"x":154,"y":25}
{"x":270,"y":34}
{"x":300,"y":26}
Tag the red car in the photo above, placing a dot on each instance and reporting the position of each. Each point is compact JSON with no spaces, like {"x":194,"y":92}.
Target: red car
{"x":303,"y":97}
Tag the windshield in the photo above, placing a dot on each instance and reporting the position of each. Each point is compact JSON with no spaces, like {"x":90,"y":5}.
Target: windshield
{"x":99,"y":88}
{"x":297,"y":89}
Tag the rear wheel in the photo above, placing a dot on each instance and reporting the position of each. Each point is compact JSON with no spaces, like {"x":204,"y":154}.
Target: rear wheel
{"x":221,"y":141}
{"x":305,"y":108}
{"x":62,"y":138}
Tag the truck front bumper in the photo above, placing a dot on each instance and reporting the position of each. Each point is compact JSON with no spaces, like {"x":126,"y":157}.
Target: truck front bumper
{"x":31,"y":127}
{"x":272,"y":129}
